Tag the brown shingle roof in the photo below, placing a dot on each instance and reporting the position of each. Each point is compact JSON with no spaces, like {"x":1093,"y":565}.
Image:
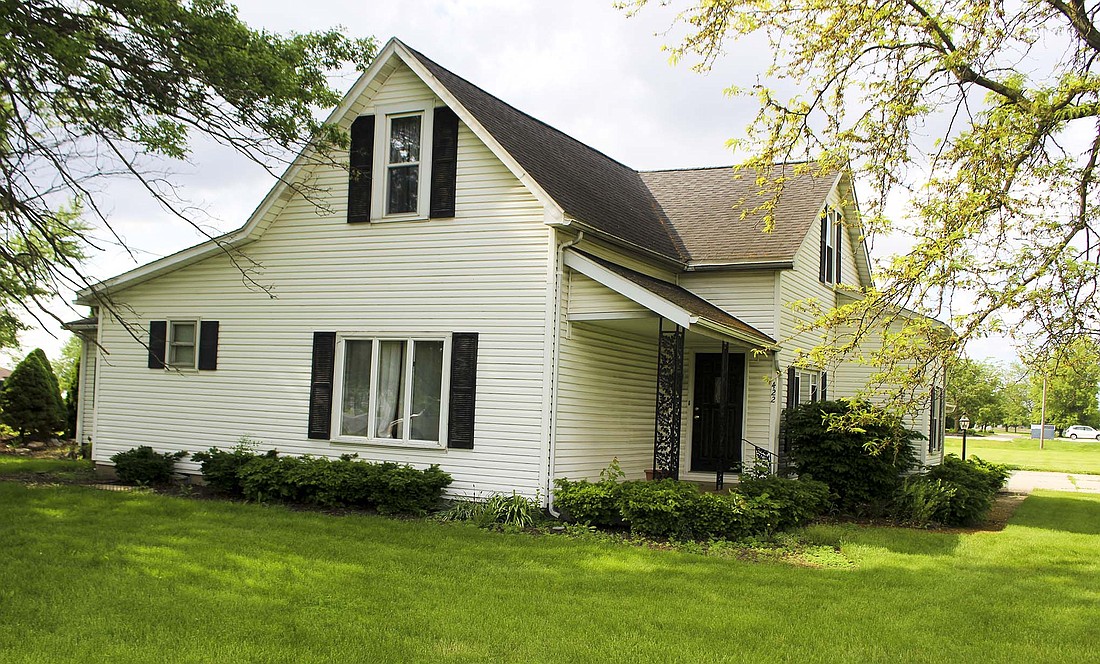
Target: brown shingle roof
{"x":590,"y":186}
{"x":704,"y":206}
{"x":685,"y":215}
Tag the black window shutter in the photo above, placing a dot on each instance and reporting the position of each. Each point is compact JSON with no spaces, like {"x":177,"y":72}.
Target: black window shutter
{"x":320,"y":389}
{"x":444,"y":162}
{"x":158,"y":339}
{"x":360,"y":165}
{"x":460,"y":429}
{"x":824,"y":390}
{"x":824,"y":247}
{"x":932,"y":408}
{"x":839,"y":244}
{"x":208,"y":345}
{"x":792,"y":388}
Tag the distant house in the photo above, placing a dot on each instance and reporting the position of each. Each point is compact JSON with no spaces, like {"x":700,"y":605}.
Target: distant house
{"x":485,"y":293}
{"x":4,"y":373}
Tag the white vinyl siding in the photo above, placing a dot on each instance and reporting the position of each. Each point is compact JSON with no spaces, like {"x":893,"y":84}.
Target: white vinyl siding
{"x":606,"y":394}
{"x":86,"y":406}
{"x":484,"y":271}
{"x":747,"y":294}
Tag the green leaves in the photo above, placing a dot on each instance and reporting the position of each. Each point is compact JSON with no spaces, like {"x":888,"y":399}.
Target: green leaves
{"x":972,"y":127}
{"x":88,"y":88}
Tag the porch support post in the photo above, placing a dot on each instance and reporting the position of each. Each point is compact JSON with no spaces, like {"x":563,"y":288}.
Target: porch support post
{"x":723,"y":417}
{"x":670,"y":387}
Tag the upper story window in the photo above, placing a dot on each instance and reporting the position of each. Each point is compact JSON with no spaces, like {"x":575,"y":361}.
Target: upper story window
{"x":832,"y":241}
{"x":182,"y":336}
{"x":403,"y":163}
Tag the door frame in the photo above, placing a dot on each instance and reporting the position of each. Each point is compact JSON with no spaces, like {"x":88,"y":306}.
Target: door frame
{"x":688,"y":412}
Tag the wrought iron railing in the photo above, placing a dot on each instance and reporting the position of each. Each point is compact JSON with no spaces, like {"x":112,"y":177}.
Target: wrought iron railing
{"x":762,"y":458}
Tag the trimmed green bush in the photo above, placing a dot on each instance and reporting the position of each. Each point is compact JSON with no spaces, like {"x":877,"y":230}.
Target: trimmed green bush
{"x":798,"y":501}
{"x":975,"y":483}
{"x":142,"y":465}
{"x":221,"y":469}
{"x":592,"y":503}
{"x":344,"y":482}
{"x":862,"y":462}
{"x":679,"y":510}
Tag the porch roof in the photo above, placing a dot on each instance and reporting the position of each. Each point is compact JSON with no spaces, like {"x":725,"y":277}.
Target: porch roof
{"x":667,"y":300}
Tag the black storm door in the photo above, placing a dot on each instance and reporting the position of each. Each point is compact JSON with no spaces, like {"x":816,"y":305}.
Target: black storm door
{"x":712,"y":439}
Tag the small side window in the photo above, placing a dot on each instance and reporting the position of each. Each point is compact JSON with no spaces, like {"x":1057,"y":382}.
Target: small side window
{"x":182,"y":337}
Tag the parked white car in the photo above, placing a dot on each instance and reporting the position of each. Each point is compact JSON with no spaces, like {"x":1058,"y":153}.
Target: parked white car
{"x":1081,"y":431}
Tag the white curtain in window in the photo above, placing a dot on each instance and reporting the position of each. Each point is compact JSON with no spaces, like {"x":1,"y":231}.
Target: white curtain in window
{"x":391,"y":374}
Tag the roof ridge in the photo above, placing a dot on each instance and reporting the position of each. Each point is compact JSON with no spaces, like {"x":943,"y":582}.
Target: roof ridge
{"x":714,"y":168}
{"x":520,"y":111}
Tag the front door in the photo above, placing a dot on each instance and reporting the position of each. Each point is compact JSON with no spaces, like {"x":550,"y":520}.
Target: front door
{"x":707,"y":426}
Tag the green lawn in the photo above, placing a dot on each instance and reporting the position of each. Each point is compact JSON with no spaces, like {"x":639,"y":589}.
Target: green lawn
{"x":104,"y":576}
{"x":1066,"y":456}
{"x":16,"y":465}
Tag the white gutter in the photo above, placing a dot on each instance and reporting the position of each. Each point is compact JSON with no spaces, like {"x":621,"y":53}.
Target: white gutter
{"x":559,"y":277}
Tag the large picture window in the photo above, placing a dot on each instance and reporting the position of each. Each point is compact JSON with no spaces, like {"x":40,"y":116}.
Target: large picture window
{"x":392,"y":389}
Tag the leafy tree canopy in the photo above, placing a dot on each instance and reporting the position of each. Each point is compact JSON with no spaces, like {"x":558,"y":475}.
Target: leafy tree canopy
{"x":983,"y":114}
{"x":1073,"y":386}
{"x":88,"y":88}
{"x":67,"y":367}
{"x":975,"y":389}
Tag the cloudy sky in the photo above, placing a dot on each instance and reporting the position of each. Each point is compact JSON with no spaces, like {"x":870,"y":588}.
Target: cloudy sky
{"x":579,"y":65}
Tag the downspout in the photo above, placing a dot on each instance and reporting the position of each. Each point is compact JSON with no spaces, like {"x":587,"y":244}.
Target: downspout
{"x":559,"y":277}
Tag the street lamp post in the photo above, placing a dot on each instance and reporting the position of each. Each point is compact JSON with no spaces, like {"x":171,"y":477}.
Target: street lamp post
{"x":964,"y":424}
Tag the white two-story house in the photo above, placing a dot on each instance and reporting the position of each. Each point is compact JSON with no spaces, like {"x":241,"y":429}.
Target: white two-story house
{"x":482,"y":292}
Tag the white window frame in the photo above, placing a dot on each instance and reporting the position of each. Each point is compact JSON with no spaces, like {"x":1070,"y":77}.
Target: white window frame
{"x":380,"y":185}
{"x":338,"y":389}
{"x":168,"y":342}
{"x":814,"y":376}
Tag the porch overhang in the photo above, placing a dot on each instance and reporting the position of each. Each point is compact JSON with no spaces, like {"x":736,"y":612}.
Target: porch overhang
{"x":665,"y":300}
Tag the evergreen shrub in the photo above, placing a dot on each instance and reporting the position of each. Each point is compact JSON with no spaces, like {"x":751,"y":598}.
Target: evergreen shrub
{"x":862,"y":460}
{"x":975,"y":483}
{"x":144,"y":466}
{"x":30,"y":399}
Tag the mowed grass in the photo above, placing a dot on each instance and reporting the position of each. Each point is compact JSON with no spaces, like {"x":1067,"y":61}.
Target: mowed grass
{"x":17,"y":465}
{"x":135,"y":577}
{"x":1063,"y":456}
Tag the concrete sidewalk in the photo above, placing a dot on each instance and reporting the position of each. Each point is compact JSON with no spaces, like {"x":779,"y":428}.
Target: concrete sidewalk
{"x":1026,"y":481}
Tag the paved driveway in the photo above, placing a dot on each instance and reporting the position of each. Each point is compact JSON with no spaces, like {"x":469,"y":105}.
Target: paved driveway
{"x":1025,"y":481}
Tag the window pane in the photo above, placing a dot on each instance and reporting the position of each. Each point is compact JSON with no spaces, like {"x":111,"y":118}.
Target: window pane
{"x":391,"y":389}
{"x":405,"y":139}
{"x":183,"y":333}
{"x":804,"y":388}
{"x":355,"y":414}
{"x":427,"y":389}
{"x":403,"y":186}
{"x":181,"y":355}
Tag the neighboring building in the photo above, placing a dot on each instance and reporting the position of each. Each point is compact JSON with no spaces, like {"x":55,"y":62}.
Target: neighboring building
{"x":484,"y":293}
{"x":4,"y":373}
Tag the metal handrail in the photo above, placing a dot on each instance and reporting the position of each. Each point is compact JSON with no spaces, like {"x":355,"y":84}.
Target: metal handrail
{"x":761,"y":454}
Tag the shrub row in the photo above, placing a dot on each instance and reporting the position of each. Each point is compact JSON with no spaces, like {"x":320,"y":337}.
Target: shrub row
{"x":668,"y":508}
{"x":344,"y":482}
